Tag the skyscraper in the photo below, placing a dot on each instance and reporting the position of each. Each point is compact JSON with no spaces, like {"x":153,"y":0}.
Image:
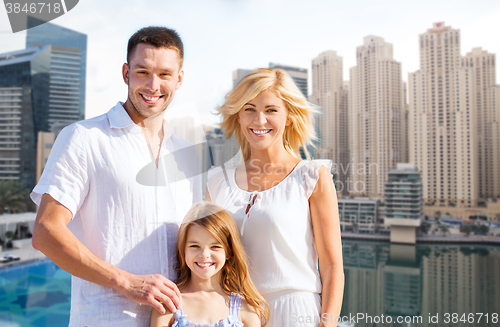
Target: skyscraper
{"x":449,"y":110}
{"x":24,"y":81}
{"x":330,"y":93}
{"x":376,"y":116}
{"x":483,"y":69}
{"x":68,"y":64}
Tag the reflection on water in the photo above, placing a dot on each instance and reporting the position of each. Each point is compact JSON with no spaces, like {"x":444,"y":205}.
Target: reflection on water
{"x":424,"y":285}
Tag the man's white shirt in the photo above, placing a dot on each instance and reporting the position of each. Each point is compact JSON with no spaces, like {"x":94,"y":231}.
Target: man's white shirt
{"x":126,"y":209}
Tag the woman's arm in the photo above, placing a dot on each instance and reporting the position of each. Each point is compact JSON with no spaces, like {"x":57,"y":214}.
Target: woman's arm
{"x":326,"y":227}
{"x":159,"y":320}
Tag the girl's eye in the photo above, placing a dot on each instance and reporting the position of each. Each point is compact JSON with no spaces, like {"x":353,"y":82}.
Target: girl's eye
{"x":217,"y":247}
{"x":194,"y":246}
{"x":272,"y":110}
{"x":249,"y":109}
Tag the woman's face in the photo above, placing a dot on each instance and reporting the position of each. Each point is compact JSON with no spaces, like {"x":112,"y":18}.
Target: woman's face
{"x":263,"y":121}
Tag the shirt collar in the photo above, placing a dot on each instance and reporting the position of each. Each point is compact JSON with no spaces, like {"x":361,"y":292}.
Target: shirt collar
{"x":119,"y":118}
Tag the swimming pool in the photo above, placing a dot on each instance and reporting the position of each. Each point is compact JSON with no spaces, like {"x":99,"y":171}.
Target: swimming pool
{"x":34,"y":294}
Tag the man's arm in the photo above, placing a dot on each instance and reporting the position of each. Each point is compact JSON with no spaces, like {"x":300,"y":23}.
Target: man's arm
{"x":52,"y":237}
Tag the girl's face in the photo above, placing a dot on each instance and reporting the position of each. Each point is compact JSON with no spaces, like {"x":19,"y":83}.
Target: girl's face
{"x":204,"y":255}
{"x":263,"y":121}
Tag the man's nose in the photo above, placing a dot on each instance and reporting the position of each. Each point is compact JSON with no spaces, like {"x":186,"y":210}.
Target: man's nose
{"x":153,"y":83}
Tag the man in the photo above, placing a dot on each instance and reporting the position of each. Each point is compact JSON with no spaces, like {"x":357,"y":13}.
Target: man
{"x":97,"y":219}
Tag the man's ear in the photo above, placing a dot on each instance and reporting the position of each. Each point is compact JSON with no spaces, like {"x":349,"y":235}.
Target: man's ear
{"x":125,"y":72}
{"x":180,"y":79}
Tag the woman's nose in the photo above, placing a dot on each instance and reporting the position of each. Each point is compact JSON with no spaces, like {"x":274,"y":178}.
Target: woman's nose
{"x":261,"y":118}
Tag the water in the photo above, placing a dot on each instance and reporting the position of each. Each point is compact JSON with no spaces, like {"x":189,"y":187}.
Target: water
{"x":34,"y":294}
{"x":382,"y":281}
{"x":422,"y":285}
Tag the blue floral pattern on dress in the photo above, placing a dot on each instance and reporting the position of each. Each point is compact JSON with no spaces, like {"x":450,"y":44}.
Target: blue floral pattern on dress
{"x":231,"y":320}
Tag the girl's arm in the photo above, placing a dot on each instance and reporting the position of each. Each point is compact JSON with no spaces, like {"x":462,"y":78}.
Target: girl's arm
{"x":159,"y":320}
{"x":326,"y":227}
{"x":248,"y":316}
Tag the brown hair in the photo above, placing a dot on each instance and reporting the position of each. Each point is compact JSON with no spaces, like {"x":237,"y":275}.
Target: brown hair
{"x":299,"y":133}
{"x":160,"y":37}
{"x":234,"y":275}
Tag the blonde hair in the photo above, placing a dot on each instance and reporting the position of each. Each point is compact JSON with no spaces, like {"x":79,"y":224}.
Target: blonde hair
{"x":299,"y":133}
{"x":234,"y":274}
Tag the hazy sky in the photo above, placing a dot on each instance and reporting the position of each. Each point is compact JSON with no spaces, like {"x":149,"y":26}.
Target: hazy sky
{"x":223,"y":35}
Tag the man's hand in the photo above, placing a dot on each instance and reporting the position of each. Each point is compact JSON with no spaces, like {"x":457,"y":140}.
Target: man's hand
{"x":154,"y":290}
{"x":52,"y":237}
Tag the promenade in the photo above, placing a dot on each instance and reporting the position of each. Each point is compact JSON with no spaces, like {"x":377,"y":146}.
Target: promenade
{"x":472,"y":239}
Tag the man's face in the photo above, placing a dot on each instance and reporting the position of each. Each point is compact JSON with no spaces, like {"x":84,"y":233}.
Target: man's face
{"x":152,"y":75}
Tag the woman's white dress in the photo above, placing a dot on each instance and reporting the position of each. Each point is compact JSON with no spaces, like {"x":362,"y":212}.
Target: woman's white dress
{"x":278,"y":238}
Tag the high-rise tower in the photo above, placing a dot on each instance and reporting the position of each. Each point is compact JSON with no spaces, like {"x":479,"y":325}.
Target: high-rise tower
{"x":68,"y":63}
{"x":443,"y":97}
{"x":483,"y":69}
{"x":330,"y":93}
{"x":376,"y":115}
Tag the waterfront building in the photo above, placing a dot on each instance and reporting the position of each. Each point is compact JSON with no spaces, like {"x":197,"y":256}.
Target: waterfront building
{"x":403,"y":202}
{"x":376,"y":115}
{"x":68,"y":66}
{"x":448,"y":101}
{"x":330,"y":94}
{"x":483,"y":68}
{"x":24,"y":80}
{"x":358,"y":213}
{"x":299,"y":76}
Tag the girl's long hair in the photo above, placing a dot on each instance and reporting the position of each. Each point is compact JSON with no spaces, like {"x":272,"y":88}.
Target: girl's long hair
{"x":299,"y":133}
{"x":234,"y":275}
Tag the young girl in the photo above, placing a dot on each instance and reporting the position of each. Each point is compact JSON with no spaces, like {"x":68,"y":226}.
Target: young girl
{"x":213,"y":276}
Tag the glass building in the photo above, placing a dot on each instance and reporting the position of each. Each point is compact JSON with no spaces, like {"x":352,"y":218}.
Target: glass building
{"x":403,"y":193}
{"x":68,"y":70}
{"x":24,"y":98}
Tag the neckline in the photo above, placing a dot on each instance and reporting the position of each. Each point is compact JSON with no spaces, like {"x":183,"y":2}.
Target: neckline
{"x":233,"y":176}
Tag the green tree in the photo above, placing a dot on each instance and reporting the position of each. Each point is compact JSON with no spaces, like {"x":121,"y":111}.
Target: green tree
{"x":466,"y":228}
{"x":437,"y":214}
{"x":484,"y":229}
{"x":14,"y":197}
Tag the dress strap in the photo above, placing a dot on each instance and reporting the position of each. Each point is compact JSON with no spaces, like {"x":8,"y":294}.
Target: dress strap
{"x":234,"y":305}
{"x":180,"y":319}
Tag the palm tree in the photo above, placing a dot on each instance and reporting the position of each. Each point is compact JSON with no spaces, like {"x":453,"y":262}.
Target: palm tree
{"x":14,"y":197}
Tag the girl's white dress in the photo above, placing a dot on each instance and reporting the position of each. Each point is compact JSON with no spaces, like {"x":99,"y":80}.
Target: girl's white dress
{"x":277,"y":234}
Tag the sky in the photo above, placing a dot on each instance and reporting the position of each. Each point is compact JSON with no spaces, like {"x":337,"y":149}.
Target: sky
{"x":221,"y":36}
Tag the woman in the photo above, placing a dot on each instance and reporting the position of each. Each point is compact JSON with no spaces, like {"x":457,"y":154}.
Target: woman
{"x":286,"y":209}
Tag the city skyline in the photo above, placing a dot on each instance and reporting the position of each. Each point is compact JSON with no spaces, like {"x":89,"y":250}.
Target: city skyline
{"x":252,"y":34}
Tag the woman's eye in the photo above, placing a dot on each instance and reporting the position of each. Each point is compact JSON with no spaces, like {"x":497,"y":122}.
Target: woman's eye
{"x":249,"y":109}
{"x":272,"y":110}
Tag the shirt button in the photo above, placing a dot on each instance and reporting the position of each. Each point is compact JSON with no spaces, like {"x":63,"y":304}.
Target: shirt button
{"x":164,"y":270}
